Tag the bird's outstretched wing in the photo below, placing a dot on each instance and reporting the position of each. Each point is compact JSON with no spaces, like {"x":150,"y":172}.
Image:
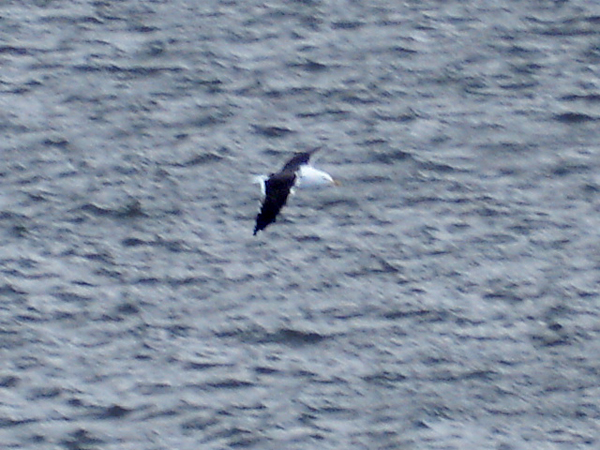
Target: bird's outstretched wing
{"x":298,"y":159}
{"x":277,"y":189}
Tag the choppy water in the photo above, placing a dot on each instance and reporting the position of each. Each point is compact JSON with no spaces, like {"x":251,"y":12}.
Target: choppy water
{"x":445,"y":297}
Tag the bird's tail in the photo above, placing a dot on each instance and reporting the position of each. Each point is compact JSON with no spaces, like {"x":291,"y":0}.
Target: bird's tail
{"x":260,"y":179}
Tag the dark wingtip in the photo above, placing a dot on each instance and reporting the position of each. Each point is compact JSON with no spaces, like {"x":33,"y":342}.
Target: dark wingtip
{"x":257,"y":228}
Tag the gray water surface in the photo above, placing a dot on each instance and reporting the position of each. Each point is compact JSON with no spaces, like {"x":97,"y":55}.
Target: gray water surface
{"x":444,"y":297}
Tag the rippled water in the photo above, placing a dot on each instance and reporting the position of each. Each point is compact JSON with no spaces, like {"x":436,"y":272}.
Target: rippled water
{"x":445,"y":297}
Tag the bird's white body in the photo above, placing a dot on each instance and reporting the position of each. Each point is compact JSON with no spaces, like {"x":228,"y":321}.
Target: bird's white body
{"x":307,"y":178}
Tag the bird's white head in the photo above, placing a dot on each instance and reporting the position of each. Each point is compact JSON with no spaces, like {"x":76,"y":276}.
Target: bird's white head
{"x":309,"y":177}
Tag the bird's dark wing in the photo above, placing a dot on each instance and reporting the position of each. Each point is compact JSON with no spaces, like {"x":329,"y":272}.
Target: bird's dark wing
{"x":297,"y":160}
{"x":277,"y":189}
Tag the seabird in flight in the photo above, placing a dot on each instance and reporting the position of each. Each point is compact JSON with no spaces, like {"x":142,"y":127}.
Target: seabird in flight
{"x":276,"y":187}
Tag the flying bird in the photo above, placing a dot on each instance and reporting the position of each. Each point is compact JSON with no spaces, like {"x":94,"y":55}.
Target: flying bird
{"x":276,"y":187}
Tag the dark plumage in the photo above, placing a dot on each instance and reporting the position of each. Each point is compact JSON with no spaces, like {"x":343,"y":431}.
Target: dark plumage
{"x":297,"y":160}
{"x":277,"y":188}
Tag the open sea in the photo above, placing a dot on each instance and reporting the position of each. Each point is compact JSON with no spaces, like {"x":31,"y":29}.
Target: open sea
{"x":445,"y":296}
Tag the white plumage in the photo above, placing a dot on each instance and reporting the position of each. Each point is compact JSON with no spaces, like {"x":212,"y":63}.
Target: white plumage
{"x":309,"y":177}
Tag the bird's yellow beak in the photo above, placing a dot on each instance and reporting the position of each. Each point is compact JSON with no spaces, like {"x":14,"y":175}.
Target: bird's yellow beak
{"x":337,"y":182}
